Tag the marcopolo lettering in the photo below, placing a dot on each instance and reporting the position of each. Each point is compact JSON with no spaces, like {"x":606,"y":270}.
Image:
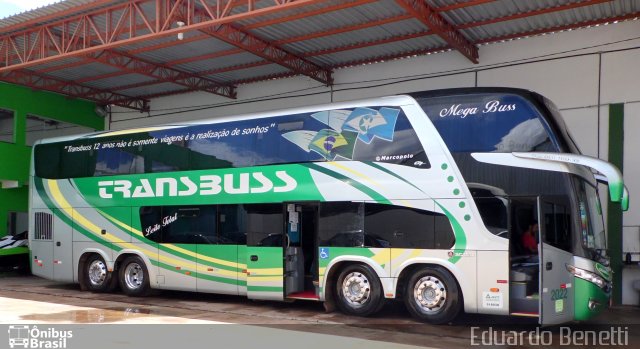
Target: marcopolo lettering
{"x":204,"y":185}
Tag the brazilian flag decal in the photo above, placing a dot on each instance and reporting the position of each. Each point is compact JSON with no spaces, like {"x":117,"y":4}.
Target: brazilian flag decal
{"x":330,"y":143}
{"x":345,"y":128}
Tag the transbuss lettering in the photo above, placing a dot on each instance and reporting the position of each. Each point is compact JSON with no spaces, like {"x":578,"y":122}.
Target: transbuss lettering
{"x":206,"y":185}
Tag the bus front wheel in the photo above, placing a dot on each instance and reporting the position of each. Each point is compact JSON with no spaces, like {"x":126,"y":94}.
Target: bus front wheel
{"x":432,"y":295}
{"x":97,"y":276}
{"x":134,"y":277}
{"x":359,"y":291}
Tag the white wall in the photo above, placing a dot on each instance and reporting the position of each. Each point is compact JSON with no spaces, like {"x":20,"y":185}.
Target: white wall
{"x":582,"y":71}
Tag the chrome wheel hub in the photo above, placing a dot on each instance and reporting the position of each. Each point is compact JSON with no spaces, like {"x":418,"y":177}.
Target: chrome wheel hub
{"x":356,"y":289}
{"x":430,"y":294}
{"x":97,"y":273}
{"x":133,"y":276}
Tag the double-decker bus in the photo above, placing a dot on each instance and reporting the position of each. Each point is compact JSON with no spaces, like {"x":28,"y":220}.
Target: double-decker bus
{"x":472,"y":200}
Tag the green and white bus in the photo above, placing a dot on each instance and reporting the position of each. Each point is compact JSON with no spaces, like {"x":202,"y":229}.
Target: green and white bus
{"x":472,"y":200}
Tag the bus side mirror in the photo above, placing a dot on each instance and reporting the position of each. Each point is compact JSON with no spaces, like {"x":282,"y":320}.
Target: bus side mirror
{"x":624,"y":203}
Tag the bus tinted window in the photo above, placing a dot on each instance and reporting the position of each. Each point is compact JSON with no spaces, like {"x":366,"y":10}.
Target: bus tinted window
{"x":232,"y":225}
{"x":265,"y":224}
{"x":364,"y":134}
{"x":443,"y":235}
{"x":180,"y":224}
{"x":341,"y":224}
{"x":151,"y":223}
{"x":403,"y":227}
{"x":354,"y":224}
{"x":189,"y":224}
{"x":487,"y":123}
{"x":556,"y":224}
{"x":116,"y":162}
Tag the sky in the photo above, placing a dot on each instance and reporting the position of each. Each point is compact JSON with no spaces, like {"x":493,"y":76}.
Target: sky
{"x":11,"y":7}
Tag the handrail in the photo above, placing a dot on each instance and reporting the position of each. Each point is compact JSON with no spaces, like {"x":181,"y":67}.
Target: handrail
{"x":559,"y":162}
{"x":613,"y":175}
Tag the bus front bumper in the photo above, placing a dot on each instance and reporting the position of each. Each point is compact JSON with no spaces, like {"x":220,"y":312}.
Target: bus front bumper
{"x":590,"y":299}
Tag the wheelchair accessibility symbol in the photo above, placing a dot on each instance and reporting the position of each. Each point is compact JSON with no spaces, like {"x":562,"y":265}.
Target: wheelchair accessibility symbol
{"x":324,"y":253}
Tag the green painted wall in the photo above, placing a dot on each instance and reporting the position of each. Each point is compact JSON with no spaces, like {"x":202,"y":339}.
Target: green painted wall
{"x":614,"y":211}
{"x":15,"y":157}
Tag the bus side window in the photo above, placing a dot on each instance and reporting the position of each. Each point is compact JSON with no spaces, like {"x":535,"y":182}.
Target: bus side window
{"x":404,"y":227}
{"x":180,"y":224}
{"x":151,"y":222}
{"x":189,"y":224}
{"x":264,"y":225}
{"x":444,"y":237}
{"x":232,"y":225}
{"x":341,"y":224}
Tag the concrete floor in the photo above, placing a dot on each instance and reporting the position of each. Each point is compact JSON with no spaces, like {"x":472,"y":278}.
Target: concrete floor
{"x":29,"y":299}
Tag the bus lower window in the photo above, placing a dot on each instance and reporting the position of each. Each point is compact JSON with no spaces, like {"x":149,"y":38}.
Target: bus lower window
{"x":341,"y":224}
{"x":180,"y":224}
{"x":404,"y":227}
{"x":264,"y":225}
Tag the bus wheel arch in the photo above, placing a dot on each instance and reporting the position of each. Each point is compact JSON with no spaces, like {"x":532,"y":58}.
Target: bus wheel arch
{"x":94,"y":274}
{"x":431,"y":292}
{"x":355,"y":288}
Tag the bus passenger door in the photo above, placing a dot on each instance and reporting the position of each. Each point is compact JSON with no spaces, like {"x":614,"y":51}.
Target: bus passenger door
{"x":556,"y":289}
{"x":301,"y":250}
{"x":265,"y":240}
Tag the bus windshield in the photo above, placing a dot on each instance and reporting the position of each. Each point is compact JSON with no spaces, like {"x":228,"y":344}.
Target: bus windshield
{"x":488,"y":122}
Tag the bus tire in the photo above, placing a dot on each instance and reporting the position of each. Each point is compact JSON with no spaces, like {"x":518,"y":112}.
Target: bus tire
{"x":134,"y":277}
{"x":97,"y":277}
{"x":432,"y":295}
{"x":358,"y":290}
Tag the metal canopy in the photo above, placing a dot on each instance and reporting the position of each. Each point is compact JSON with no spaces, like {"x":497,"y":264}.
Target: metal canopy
{"x":125,"y":52}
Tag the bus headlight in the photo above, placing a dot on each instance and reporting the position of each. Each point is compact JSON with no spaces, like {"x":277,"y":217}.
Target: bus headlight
{"x":589,"y":276}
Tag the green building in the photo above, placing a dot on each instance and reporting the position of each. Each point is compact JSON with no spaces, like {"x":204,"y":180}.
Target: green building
{"x":26,"y":116}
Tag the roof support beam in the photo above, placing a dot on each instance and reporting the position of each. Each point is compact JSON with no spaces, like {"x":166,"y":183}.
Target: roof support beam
{"x":162,"y":73}
{"x":342,"y":5}
{"x":265,"y":49}
{"x":436,"y":23}
{"x":74,"y":36}
{"x":43,"y":82}
{"x":270,"y":52}
{"x":244,"y":40}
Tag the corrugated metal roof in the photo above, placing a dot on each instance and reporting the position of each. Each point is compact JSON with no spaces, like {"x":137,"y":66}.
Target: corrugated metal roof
{"x":250,"y":73}
{"x":220,"y":62}
{"x":152,"y":89}
{"x":331,"y":34}
{"x":114,"y":83}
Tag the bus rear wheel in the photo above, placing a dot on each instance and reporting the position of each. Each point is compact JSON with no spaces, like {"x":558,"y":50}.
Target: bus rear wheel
{"x":134,"y":277}
{"x":432,"y":295}
{"x":359,"y":291}
{"x":97,"y":277}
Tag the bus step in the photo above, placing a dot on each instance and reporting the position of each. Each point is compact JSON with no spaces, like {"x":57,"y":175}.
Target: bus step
{"x":527,"y":314}
{"x":308,"y":295}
